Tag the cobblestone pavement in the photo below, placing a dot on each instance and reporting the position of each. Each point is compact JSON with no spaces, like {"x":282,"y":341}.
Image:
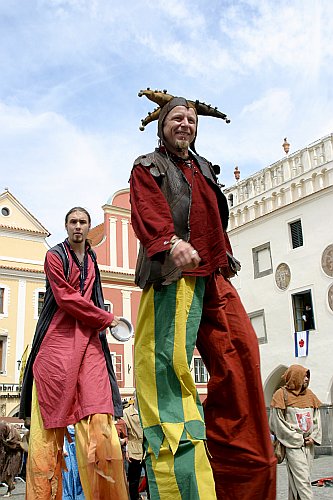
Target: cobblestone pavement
{"x":323,"y":467}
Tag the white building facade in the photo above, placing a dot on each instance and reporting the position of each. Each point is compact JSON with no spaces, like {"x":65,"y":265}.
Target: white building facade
{"x":281,"y":230}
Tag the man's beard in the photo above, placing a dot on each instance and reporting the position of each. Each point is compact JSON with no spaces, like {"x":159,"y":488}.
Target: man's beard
{"x":181,"y":144}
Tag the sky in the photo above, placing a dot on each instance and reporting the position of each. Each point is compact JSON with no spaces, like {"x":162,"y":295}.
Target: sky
{"x":71,"y":70}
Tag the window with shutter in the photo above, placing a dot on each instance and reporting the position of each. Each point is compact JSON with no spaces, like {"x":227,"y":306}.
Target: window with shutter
{"x":296,"y":233}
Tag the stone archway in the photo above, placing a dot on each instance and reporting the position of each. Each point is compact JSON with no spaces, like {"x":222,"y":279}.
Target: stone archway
{"x":273,"y":382}
{"x":14,"y":412}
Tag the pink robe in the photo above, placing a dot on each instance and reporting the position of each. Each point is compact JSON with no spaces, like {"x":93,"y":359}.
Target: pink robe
{"x":70,"y":370}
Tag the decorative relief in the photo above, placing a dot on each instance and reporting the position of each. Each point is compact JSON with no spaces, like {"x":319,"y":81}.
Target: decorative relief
{"x":327,"y":261}
{"x":282,"y":276}
{"x":330,"y":297}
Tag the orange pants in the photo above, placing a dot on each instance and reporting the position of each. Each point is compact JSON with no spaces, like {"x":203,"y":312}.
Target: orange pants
{"x":99,"y":458}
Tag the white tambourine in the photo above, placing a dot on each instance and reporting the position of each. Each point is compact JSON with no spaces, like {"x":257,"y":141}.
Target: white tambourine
{"x":123,"y":331}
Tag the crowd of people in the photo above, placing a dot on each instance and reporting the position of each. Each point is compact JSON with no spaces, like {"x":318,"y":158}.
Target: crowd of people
{"x":294,"y":421}
{"x":166,"y":439}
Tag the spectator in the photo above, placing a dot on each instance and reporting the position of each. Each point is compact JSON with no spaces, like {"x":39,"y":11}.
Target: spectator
{"x":135,"y":448}
{"x":295,"y":421}
{"x":10,"y":455}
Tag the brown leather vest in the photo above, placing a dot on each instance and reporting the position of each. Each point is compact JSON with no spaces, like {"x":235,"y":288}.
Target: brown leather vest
{"x":178,"y":194}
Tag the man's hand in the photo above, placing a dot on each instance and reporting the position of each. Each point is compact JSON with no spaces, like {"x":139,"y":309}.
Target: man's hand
{"x":115,"y":321}
{"x":185,"y":256}
{"x":308,"y":441}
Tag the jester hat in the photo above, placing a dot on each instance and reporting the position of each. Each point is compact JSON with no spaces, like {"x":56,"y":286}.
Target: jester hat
{"x":167,"y":102}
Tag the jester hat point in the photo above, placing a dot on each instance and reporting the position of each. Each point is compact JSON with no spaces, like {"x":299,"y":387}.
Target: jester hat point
{"x":166,"y":102}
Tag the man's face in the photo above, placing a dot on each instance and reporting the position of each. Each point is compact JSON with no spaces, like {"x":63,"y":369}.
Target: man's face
{"x":305,"y":382}
{"x":77,"y":227}
{"x":179,"y":128}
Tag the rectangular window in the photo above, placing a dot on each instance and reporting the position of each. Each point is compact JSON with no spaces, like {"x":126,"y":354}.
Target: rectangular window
{"x":107,"y":307}
{"x":1,"y":353}
{"x":303,"y":311}
{"x":257,"y":319}
{"x":3,"y":349}
{"x":2,"y":300}
{"x":41,"y":297}
{"x":262,"y":260}
{"x":117,"y":365}
{"x":200,"y":372}
{"x":296,"y":234}
{"x":38,"y":301}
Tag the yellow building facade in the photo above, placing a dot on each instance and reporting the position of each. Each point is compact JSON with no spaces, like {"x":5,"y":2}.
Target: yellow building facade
{"x":23,"y":245}
{"x":22,"y":286}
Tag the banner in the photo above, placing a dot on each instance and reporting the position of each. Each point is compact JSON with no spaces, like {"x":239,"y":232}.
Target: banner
{"x":301,"y":344}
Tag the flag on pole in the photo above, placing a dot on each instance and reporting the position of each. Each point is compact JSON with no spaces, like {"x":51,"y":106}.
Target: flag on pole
{"x":301,"y":344}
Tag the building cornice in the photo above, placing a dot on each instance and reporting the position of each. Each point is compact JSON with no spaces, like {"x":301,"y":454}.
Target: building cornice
{"x":21,"y":272}
{"x":267,"y":216}
{"x":21,"y":260}
{"x":116,"y":275}
{"x":23,"y":230}
{"x":302,"y":174}
{"x":7,"y":195}
{"x":112,"y":210}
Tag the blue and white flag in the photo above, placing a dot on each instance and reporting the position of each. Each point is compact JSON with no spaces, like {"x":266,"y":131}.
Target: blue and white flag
{"x":301,"y":344}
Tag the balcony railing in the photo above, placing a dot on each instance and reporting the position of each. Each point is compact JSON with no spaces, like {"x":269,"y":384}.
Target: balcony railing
{"x":291,"y":178}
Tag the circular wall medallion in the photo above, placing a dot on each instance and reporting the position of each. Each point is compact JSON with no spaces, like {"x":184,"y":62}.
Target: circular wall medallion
{"x":282,"y":276}
{"x":327,"y":261}
{"x":330,"y":297}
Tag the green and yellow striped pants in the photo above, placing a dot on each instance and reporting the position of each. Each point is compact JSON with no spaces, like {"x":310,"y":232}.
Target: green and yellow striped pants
{"x":170,"y":409}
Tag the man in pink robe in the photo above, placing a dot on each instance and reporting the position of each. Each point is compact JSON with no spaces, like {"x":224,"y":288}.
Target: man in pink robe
{"x":71,"y":371}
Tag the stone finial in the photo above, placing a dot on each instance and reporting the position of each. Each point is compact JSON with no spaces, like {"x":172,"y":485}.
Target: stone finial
{"x":237,"y":173}
{"x":286,"y":146}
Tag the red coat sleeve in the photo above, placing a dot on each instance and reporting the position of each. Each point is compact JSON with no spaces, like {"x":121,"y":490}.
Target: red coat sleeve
{"x":150,"y":213}
{"x":70,"y":300}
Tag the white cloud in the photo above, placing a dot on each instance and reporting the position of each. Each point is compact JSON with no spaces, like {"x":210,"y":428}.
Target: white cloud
{"x":182,"y":14}
{"x":293,"y":36}
{"x":71,"y":70}
{"x":274,"y":105}
{"x":55,"y":165}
